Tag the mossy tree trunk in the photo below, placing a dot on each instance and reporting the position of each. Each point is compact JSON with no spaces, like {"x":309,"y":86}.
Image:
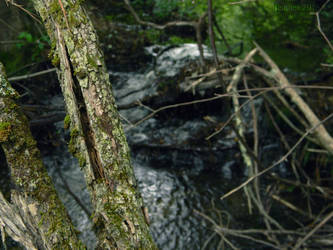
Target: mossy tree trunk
{"x":97,"y":136}
{"x":35,"y":216}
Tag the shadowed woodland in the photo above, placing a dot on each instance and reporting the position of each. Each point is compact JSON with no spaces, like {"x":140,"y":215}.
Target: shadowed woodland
{"x":194,"y":124}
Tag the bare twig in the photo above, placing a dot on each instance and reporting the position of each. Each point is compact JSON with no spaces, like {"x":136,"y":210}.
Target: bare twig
{"x":64,"y":13}
{"x":10,"y":42}
{"x":291,"y":206}
{"x":154,"y":25}
{"x":30,"y":107}
{"x":236,"y":233}
{"x":326,"y":65}
{"x":48,"y":119}
{"x":285,"y":118}
{"x":254,"y":118}
{"x":279,"y":161}
{"x":320,"y":224}
{"x":324,"y":190}
{"x":263,"y":91}
{"x":222,"y":36}
{"x":27,"y":76}
{"x":279,"y":94}
{"x":175,"y":106}
{"x":321,"y":133}
{"x":319,"y":25}
{"x":257,"y":199}
{"x":23,"y":9}
{"x":241,"y":2}
{"x":319,"y":151}
{"x":239,"y":123}
{"x":195,"y":24}
{"x":212,"y":42}
{"x":277,"y":128}
{"x":239,"y":70}
{"x":68,"y":189}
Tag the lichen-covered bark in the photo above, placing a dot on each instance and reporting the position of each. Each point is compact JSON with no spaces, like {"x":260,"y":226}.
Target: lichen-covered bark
{"x":97,"y":137}
{"x":36,"y":209}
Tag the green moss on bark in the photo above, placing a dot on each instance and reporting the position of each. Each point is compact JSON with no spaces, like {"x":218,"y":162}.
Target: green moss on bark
{"x":31,"y":179}
{"x":97,"y":138}
{"x":67,"y":122}
{"x":4,"y":131}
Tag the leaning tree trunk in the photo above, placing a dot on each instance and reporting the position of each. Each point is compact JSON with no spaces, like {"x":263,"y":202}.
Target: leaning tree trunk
{"x":97,"y":136}
{"x":35,"y":216}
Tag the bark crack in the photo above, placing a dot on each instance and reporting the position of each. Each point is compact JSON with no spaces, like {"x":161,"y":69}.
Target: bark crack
{"x":87,"y":131}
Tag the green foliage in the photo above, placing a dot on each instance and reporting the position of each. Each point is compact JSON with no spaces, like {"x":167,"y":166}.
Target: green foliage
{"x":192,"y":8}
{"x":29,"y":48}
{"x":24,"y":36}
{"x":163,"y":9}
{"x":153,"y":35}
{"x":288,"y":36}
{"x":179,"y":40}
{"x":160,"y":11}
{"x":329,"y":55}
{"x":110,"y":17}
{"x":35,"y":44}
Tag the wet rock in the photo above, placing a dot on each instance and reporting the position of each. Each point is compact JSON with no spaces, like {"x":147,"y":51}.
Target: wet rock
{"x":170,"y":60}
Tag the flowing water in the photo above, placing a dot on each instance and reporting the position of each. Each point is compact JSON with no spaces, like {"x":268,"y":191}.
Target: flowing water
{"x":180,"y":174}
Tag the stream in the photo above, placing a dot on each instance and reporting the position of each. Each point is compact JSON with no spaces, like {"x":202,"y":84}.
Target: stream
{"x":180,"y":173}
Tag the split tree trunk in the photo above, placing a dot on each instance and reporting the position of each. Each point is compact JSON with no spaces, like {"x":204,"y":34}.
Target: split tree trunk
{"x":35,"y":216}
{"x":97,"y":136}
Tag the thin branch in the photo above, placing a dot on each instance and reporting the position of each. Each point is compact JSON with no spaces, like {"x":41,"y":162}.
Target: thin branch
{"x":10,"y":42}
{"x":70,"y":192}
{"x":291,"y":206}
{"x":277,"y":128}
{"x":64,"y":13}
{"x":279,"y":161}
{"x":27,"y":76}
{"x":326,"y":65}
{"x":23,"y":9}
{"x":324,"y":190}
{"x":219,"y":30}
{"x":239,"y":125}
{"x":323,"y":222}
{"x":232,"y":232}
{"x":321,"y":133}
{"x":239,"y":70}
{"x":175,"y":106}
{"x":241,"y":2}
{"x":195,"y":24}
{"x":154,"y":25}
{"x":285,"y":118}
{"x":321,"y":31}
{"x":278,"y":94}
{"x":264,"y":90}
{"x":212,"y":43}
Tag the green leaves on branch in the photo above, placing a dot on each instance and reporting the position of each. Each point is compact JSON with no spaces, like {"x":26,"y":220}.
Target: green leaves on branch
{"x":35,"y":44}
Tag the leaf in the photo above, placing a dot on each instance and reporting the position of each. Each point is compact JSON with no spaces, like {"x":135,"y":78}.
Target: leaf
{"x":26,"y":36}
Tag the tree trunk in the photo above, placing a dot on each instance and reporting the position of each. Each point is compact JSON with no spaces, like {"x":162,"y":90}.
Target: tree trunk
{"x":35,"y":217}
{"x":97,"y":136}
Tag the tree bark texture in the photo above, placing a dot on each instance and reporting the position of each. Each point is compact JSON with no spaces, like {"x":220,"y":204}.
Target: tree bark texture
{"x":97,"y":136}
{"x":35,"y":217}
